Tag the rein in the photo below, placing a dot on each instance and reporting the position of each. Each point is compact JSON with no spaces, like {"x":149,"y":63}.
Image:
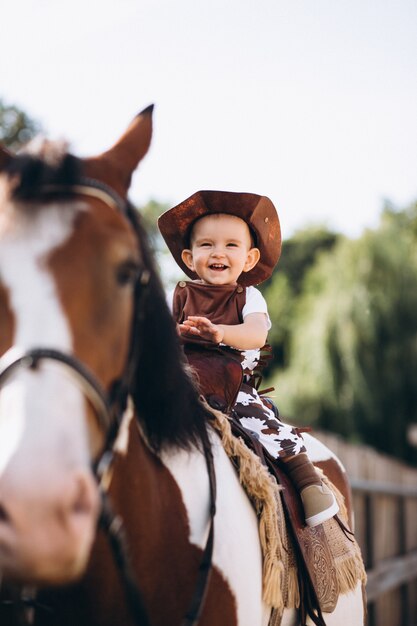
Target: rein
{"x":109,"y":410}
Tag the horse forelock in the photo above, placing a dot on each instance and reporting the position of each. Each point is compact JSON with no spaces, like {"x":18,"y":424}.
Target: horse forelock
{"x":41,"y":165}
{"x":52,"y":152}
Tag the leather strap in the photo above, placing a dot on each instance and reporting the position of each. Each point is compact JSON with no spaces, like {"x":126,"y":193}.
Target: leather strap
{"x":14,"y":359}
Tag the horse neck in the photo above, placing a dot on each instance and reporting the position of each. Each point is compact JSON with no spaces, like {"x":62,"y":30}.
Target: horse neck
{"x":148,"y":499}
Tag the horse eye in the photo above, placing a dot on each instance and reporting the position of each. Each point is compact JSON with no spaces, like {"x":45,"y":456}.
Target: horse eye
{"x":127,"y":273}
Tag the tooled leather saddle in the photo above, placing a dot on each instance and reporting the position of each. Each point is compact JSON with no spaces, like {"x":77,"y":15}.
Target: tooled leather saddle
{"x":219,"y":377}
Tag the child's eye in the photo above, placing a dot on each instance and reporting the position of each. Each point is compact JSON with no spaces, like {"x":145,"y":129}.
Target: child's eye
{"x":205,"y":244}
{"x":232,"y":245}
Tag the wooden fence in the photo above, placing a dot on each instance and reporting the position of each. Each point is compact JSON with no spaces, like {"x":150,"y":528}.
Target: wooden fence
{"x":385,"y":505}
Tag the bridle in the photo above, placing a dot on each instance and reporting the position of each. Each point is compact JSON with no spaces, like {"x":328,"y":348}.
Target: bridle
{"x":16,"y":359}
{"x":109,"y":409}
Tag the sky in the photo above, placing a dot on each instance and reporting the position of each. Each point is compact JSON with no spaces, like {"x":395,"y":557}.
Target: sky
{"x":310,"y":102}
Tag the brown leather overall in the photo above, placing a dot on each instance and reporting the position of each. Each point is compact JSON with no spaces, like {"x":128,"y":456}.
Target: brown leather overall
{"x":218,"y":368}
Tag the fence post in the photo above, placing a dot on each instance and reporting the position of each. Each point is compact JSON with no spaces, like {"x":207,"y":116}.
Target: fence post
{"x":369,"y":543}
{"x":402,"y":530}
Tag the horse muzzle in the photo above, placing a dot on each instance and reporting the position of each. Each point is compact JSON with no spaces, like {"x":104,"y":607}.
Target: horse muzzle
{"x":46,"y":537}
{"x":49,"y":496}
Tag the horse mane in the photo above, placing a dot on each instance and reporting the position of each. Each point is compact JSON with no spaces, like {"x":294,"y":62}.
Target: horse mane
{"x":164,"y":393}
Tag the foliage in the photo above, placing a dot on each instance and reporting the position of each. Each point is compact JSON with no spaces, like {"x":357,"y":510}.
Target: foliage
{"x":150,"y":213}
{"x":299,"y":253}
{"x":16,"y":127}
{"x":353,"y":338}
{"x":170,"y":272}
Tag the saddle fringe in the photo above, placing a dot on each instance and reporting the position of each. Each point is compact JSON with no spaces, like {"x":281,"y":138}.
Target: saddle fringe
{"x":280,"y":580}
{"x":348,"y":570}
{"x":263,"y":491}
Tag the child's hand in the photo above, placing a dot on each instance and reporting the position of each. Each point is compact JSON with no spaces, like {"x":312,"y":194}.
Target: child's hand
{"x":202,"y":327}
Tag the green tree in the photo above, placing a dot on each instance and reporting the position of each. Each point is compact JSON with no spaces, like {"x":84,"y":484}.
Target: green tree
{"x":169,"y":270}
{"x":354,"y":339}
{"x":299,"y":253}
{"x":16,"y":127}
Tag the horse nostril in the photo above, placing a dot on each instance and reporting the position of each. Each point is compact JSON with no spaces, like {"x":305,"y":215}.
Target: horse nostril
{"x":3,"y":514}
{"x":84,"y":498}
{"x":82,"y":504}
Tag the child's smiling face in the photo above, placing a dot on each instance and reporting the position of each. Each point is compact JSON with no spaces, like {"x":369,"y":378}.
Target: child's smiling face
{"x":221,"y":249}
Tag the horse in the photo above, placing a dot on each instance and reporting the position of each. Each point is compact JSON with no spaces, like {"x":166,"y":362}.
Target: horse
{"x":107,"y":498}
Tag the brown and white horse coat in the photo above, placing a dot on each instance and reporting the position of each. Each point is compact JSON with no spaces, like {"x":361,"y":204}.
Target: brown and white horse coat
{"x":68,"y":281}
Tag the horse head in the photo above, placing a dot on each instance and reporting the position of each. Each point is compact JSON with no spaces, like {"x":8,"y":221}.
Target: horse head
{"x":71,"y":269}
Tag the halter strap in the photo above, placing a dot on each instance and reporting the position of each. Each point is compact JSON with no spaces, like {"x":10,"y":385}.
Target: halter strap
{"x":94,"y":189}
{"x":14,"y":359}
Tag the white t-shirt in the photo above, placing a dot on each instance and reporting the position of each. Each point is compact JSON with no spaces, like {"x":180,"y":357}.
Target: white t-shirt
{"x":255,"y":303}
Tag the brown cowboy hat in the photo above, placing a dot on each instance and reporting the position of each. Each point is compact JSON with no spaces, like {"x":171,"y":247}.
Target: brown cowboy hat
{"x":257,"y":211}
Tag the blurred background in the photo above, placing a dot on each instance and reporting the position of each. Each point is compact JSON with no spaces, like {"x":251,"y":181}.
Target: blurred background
{"x":313,"y":104}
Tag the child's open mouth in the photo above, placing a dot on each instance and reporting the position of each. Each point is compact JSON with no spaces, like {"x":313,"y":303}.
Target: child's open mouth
{"x":218,"y":267}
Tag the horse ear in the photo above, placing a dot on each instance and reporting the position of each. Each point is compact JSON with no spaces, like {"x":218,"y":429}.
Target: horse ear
{"x":5,"y":157}
{"x":116,"y":166}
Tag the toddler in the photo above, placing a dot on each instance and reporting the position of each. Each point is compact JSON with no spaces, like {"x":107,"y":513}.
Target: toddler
{"x":227,"y":243}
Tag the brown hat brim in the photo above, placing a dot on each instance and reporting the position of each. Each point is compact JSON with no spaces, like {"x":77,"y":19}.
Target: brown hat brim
{"x":257,"y":211}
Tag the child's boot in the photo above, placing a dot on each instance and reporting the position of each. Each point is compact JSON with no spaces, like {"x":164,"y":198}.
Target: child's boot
{"x":318,"y":500}
{"x":319,"y":504}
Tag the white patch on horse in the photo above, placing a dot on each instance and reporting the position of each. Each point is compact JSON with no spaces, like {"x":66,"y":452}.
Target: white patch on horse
{"x":317,"y":451}
{"x":236,"y":526}
{"x":40,"y":321}
{"x":38,"y":313}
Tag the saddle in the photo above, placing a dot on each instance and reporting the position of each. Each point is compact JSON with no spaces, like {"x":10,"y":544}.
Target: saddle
{"x":218,"y":374}
{"x":219,"y":378}
{"x":317,"y":580}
